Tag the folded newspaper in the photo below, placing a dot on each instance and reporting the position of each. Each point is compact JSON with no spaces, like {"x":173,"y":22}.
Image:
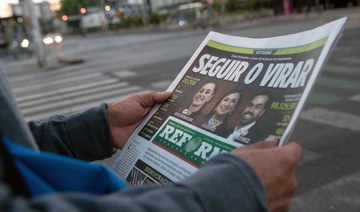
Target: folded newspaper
{"x":233,"y":91}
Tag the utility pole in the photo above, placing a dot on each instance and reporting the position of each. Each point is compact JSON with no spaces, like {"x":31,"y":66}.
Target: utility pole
{"x":222,"y":13}
{"x":36,"y":34}
{"x":103,"y":19}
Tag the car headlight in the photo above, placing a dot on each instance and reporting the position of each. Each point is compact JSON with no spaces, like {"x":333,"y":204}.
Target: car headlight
{"x":48,"y":40}
{"x":25,"y":43}
{"x":58,"y":39}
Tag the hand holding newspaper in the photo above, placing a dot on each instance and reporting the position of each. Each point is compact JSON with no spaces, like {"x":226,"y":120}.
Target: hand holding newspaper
{"x":233,"y":91}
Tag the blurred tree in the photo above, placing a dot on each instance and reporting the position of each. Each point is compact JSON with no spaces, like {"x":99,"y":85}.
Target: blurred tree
{"x":231,"y":5}
{"x":72,"y":7}
{"x":216,"y":6}
{"x":156,"y":18}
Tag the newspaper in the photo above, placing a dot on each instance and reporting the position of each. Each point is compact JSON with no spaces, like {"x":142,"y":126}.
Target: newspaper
{"x":233,"y":91}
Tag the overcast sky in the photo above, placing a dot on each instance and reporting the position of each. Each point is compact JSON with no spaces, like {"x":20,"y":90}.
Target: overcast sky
{"x":4,"y":6}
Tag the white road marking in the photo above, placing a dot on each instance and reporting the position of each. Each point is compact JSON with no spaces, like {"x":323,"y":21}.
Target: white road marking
{"x":65,"y":90}
{"x":333,"y":118}
{"x":125,"y":73}
{"x":355,"y":98}
{"x":341,"y":69}
{"x":339,"y":195}
{"x":20,"y":81}
{"x":309,"y":155}
{"x":81,"y":107}
{"x":70,"y":110}
{"x":57,"y":82}
{"x":352,"y":60}
{"x":80,"y":100}
{"x":161,"y":84}
{"x":81,"y":93}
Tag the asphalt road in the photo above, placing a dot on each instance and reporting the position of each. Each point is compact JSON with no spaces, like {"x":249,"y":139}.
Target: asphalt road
{"x":118,"y":65}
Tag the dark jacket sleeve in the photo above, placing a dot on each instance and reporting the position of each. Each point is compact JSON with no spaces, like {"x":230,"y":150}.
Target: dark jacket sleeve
{"x":224,"y":184}
{"x":84,"y":135}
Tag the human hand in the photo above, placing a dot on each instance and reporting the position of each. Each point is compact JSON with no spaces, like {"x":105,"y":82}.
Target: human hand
{"x":124,"y":116}
{"x":275,"y":167}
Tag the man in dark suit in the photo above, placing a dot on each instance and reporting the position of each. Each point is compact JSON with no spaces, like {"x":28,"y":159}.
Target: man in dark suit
{"x":245,"y":132}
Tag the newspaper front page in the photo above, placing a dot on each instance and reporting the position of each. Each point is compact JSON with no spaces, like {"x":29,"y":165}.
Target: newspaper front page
{"x":233,"y":91}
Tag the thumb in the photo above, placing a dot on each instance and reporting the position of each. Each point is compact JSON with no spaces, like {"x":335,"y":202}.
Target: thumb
{"x":151,"y":98}
{"x":161,"y":97}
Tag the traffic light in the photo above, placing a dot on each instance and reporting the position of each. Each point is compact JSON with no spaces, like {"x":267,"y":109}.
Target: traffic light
{"x":64,"y":18}
{"x":83,"y":10}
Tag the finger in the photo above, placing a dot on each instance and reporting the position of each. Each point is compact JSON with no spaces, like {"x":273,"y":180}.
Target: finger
{"x":262,"y":145}
{"x":271,"y":138}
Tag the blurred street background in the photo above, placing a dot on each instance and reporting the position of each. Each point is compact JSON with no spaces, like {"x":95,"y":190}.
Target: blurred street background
{"x":105,"y":50}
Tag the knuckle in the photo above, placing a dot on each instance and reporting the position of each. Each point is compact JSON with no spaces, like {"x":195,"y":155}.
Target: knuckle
{"x":292,"y":159}
{"x":289,"y":158}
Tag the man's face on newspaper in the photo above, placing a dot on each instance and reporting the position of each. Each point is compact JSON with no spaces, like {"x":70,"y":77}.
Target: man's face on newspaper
{"x":254,"y":109}
{"x":227,"y":104}
{"x":204,"y":95}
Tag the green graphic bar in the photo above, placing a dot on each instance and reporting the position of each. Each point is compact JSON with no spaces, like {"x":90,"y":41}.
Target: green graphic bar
{"x":285,"y":51}
{"x":229,"y":48}
{"x":188,"y":144}
{"x":301,"y":49}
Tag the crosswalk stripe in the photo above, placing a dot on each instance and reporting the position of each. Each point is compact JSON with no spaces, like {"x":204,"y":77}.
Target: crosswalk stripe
{"x":161,"y":84}
{"x":70,"y":102}
{"x":60,"y":86}
{"x":57,"y":82}
{"x":61,"y":97}
{"x":341,"y":194}
{"x":339,"y":69}
{"x":125,"y":73}
{"x":20,"y":81}
{"x":64,"y":72}
{"x":351,"y":60}
{"x":71,"y":110}
{"x":355,"y":98}
{"x":65,"y":90}
{"x":339,"y":83}
{"x":309,"y":155}
{"x":80,"y":107}
{"x":332,"y":118}
{"x":324,"y":98}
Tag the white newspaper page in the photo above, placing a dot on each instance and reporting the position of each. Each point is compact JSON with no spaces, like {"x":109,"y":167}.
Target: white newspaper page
{"x":233,"y":91}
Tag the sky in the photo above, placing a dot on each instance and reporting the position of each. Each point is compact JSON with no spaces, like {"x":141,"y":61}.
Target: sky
{"x":5,"y":8}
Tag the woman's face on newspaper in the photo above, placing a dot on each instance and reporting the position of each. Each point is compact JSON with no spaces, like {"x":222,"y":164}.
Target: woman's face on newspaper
{"x":227,"y":104}
{"x":204,"y":95}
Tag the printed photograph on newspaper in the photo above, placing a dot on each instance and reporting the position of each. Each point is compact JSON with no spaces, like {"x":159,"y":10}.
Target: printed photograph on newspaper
{"x":234,"y":91}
